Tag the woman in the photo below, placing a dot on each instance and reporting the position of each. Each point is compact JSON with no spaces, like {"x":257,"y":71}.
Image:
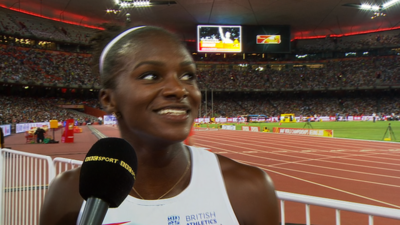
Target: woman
{"x":149,"y":83}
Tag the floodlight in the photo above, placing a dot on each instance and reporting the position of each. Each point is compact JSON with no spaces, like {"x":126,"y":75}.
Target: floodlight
{"x":375,"y":7}
{"x":134,"y":3}
{"x":365,"y":6}
{"x":390,"y":3}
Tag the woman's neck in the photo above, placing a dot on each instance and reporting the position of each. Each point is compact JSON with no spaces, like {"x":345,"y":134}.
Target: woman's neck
{"x":163,"y":172}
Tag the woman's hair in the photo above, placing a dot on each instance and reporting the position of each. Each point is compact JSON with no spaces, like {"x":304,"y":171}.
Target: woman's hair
{"x":111,"y":47}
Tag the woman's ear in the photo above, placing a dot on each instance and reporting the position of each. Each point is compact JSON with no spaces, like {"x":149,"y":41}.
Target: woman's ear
{"x":107,"y":100}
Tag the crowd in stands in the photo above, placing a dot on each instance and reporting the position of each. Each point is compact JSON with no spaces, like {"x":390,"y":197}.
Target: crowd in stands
{"x":47,"y":67}
{"x":230,"y":106}
{"x":55,"y":67}
{"x":91,"y":102}
{"x":52,"y":67}
{"x":369,"y":41}
{"x":22,"y":25}
{"x":351,"y":72}
{"x":390,"y":105}
{"x":28,"y":110}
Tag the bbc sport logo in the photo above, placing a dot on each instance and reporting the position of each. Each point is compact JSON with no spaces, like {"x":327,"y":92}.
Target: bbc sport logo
{"x":174,"y":220}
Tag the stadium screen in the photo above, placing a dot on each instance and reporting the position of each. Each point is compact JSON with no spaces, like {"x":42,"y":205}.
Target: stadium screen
{"x":266,"y":39}
{"x":219,"y":38}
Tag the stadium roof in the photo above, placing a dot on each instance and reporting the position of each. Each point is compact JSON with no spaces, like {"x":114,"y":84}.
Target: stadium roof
{"x":307,"y":18}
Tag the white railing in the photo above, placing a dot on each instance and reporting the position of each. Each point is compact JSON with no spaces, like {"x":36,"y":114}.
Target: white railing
{"x":338,"y":205}
{"x":24,"y":179}
{"x":64,"y":164}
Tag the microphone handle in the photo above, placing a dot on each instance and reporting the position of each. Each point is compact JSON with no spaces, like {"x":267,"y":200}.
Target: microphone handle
{"x":94,"y":212}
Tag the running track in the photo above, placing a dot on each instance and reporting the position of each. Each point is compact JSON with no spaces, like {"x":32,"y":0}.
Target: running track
{"x":350,"y":170}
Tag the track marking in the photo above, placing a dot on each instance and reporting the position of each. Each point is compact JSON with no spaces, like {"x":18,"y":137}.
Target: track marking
{"x":313,"y":150}
{"x":250,"y":151}
{"x":346,"y":157}
{"x":302,"y":140}
{"x":308,"y":159}
{"x":318,"y":184}
{"x":310,"y":165}
{"x":347,"y":139}
{"x":342,"y":163}
{"x":280,"y":145}
{"x":336,"y":189}
{"x":332,"y":176}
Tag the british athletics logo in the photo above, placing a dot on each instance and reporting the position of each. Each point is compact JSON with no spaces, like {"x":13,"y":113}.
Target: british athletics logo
{"x":174,"y":220}
{"x":268,"y":39}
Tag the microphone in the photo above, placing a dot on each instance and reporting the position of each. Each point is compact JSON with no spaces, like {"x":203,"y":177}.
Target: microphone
{"x":106,"y":178}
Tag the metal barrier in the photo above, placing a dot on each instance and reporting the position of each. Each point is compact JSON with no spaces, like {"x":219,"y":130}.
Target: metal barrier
{"x":24,"y":179}
{"x":338,"y":205}
{"x":64,"y":164}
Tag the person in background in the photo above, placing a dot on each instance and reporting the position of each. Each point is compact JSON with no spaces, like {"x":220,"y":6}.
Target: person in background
{"x":225,"y":37}
{"x":149,"y":83}
{"x":100,"y":120}
{"x":40,"y":134}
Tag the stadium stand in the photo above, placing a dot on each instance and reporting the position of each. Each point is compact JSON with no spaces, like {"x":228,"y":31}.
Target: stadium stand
{"x":335,"y":73}
{"x":27,"y":26}
{"x":231,"y":105}
{"x":350,"y":43}
{"x":28,"y":110}
{"x":45,"y":66}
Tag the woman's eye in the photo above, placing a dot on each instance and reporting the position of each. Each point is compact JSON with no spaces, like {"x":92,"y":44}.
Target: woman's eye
{"x":148,"y":77}
{"x":188,"y":76}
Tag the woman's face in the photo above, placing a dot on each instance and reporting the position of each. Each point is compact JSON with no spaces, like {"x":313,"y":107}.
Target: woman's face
{"x":158,"y":95}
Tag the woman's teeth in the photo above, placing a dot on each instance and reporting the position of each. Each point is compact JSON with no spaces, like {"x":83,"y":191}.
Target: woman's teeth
{"x":172,"y":112}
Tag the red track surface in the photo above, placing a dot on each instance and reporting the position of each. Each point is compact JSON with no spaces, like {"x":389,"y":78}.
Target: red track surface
{"x":350,"y":170}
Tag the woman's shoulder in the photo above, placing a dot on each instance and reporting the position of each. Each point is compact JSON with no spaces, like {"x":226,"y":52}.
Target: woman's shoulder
{"x":62,"y":202}
{"x":234,"y":171}
{"x":68,"y":178}
{"x":251,"y":192}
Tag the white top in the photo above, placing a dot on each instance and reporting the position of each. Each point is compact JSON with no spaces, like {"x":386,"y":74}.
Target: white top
{"x":203,"y":202}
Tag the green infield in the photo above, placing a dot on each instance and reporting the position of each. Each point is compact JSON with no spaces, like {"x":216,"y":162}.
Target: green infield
{"x":366,"y":130}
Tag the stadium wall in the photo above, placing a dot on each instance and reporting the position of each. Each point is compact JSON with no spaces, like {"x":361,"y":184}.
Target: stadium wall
{"x":94,"y":112}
